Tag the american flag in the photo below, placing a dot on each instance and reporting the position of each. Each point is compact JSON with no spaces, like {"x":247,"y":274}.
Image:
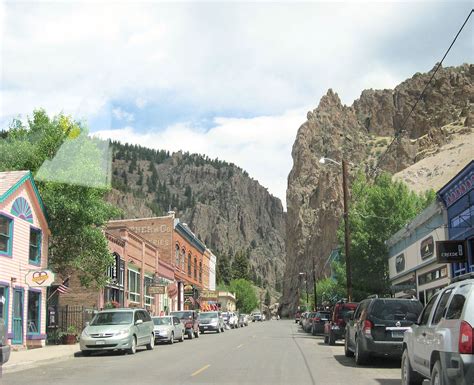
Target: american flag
{"x":64,"y":287}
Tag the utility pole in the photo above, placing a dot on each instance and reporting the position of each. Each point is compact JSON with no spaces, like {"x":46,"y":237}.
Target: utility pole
{"x":307,"y":294}
{"x":314,"y":286}
{"x":347,"y":231}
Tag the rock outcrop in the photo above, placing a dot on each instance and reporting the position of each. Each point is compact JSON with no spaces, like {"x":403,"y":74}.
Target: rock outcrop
{"x":373,"y":131}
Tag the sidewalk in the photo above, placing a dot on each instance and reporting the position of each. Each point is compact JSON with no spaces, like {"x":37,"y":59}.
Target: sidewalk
{"x":26,"y":359}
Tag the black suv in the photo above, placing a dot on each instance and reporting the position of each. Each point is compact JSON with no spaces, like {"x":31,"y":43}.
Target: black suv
{"x":190,"y":320}
{"x":377,"y":327}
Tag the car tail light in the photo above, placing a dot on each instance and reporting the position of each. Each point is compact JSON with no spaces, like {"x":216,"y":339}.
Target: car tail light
{"x":466,"y":334}
{"x":317,"y":319}
{"x":368,"y":325}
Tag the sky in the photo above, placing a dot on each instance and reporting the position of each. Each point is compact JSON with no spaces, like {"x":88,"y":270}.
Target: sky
{"x":230,"y":80}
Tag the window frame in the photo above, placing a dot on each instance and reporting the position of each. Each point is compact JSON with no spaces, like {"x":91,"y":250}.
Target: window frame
{"x":189,"y":264}
{"x":444,"y":296}
{"x":149,"y":299}
{"x":430,"y":304}
{"x":6,"y":305}
{"x":39,"y":240}
{"x":10,"y":221}
{"x":135,"y":294}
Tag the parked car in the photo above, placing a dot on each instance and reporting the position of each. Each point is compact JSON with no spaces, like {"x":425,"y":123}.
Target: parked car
{"x":257,"y":316}
{"x":440,"y":346}
{"x":168,"y":328}
{"x":190,"y":320}
{"x":118,"y":329}
{"x":377,"y":327}
{"x":241,"y":321}
{"x":335,"y":329}
{"x":297,"y":317}
{"x":211,"y":321}
{"x":230,"y":319}
{"x":247,"y":319}
{"x":318,"y":321}
{"x":4,"y":347}
{"x":308,"y":321}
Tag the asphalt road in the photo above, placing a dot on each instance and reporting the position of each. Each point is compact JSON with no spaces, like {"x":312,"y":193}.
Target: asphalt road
{"x":272,"y":352}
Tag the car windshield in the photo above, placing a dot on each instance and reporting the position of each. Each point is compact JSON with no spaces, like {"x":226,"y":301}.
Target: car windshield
{"x":396,"y":310}
{"x":208,"y":315}
{"x":113,"y":318}
{"x":182,"y":314}
{"x":162,"y":321}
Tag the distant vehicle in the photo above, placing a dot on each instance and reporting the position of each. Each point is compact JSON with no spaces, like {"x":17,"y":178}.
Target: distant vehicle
{"x":257,"y":316}
{"x":4,"y":347}
{"x":168,"y":328}
{"x":377,"y":327}
{"x":247,"y":319}
{"x":335,"y":329}
{"x":118,"y":329}
{"x":440,"y":346}
{"x":190,"y":320}
{"x":230,"y":318}
{"x":308,"y":321}
{"x":211,"y":321}
{"x":303,"y":317}
{"x":318,"y":321}
{"x":297,"y":317}
{"x":241,"y":321}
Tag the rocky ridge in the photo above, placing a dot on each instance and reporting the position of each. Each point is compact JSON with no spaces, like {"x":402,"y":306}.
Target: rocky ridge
{"x":372,"y":131}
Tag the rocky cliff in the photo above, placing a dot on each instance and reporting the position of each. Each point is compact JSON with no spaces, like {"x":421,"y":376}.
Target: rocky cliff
{"x":374,"y":131}
{"x":224,"y":207}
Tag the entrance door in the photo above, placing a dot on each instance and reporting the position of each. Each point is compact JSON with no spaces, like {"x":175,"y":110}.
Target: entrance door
{"x":17,"y":317}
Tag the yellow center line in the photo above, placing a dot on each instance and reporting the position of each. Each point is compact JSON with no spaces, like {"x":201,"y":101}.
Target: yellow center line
{"x":238,"y":347}
{"x":200,"y":370}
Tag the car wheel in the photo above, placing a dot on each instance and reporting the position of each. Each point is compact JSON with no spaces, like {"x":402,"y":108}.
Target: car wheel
{"x":190,"y":335}
{"x":133,"y":348}
{"x":171,"y":341}
{"x":151,"y":344}
{"x":437,"y":374}
{"x":347,"y":352}
{"x":409,"y":376}
{"x":360,"y":354}
{"x":86,"y":353}
{"x":331,"y":339}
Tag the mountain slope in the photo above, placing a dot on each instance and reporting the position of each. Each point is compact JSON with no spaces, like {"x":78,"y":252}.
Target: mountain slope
{"x":227,"y":209}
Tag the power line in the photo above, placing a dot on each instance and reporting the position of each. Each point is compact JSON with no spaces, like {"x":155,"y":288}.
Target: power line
{"x":402,"y":129}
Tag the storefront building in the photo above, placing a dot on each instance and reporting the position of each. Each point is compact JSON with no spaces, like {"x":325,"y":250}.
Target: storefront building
{"x":24,"y":237}
{"x":413,"y":267}
{"x":226,"y":301}
{"x":458,"y":198}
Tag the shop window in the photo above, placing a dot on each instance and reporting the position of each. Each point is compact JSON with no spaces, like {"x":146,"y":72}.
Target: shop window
{"x":200,"y":271}
{"x":189,"y":264}
{"x":183,"y":257}
{"x":148,"y":298}
{"x":35,"y":246}
{"x":34,"y":309}
{"x":4,"y":304}
{"x":463,"y":219}
{"x":195,"y":267}
{"x":133,"y":286}
{"x":6,"y":235}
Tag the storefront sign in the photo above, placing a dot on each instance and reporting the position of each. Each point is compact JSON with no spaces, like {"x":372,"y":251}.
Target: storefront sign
{"x":209,"y":294}
{"x":400,"y":263}
{"x":159,"y":289}
{"x":39,"y":278}
{"x":188,"y":290}
{"x":427,"y":248}
{"x":451,"y":251}
{"x":459,"y":190}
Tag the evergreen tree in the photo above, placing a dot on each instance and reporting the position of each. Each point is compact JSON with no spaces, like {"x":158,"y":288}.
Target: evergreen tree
{"x":267,"y":301}
{"x":240,"y":266}
{"x":223,"y":274}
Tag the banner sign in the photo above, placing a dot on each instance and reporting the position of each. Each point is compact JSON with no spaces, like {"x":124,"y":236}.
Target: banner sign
{"x":209,"y":294}
{"x":39,"y":278}
{"x":400,"y":263}
{"x":427,"y":248}
{"x":451,"y":251}
{"x":159,"y":289}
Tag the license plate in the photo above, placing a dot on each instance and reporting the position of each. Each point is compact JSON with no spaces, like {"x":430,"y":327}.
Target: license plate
{"x":100,"y":342}
{"x":397,"y":334}
{"x":205,"y":327}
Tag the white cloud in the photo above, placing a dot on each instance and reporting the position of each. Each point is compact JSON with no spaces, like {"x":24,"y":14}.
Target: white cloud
{"x":260,"y":145}
{"x":121,"y":114}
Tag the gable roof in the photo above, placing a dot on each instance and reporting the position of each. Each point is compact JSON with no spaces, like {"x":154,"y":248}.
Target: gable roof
{"x":10,"y":181}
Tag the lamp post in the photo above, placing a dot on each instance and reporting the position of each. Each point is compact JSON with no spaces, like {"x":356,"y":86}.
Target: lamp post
{"x":345,"y":190}
{"x":306,"y":284}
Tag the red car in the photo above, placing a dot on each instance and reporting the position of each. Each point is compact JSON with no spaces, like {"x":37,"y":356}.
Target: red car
{"x":335,"y":329}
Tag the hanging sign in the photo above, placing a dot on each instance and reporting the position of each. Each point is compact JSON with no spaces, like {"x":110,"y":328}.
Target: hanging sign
{"x":39,"y":278}
{"x":159,"y":289}
{"x":451,"y":251}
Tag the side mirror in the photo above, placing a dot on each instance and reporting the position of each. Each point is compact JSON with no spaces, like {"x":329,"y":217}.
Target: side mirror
{"x":138,"y":322}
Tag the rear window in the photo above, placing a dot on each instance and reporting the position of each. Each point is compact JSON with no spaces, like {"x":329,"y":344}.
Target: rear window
{"x":457,"y":303}
{"x":343,"y":310}
{"x":392,"y":310}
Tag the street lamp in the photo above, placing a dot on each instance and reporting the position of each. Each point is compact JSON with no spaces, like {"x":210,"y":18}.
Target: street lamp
{"x":306,"y":283}
{"x":345,"y":190}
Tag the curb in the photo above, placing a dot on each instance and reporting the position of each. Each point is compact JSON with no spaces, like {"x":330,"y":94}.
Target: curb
{"x":24,"y":365}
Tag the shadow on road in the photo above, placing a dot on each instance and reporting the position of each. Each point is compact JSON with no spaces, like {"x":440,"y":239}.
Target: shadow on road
{"x":375,"y":362}
{"x":386,"y":381}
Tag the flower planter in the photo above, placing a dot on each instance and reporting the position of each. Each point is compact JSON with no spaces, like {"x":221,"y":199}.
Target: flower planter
{"x":69,"y":339}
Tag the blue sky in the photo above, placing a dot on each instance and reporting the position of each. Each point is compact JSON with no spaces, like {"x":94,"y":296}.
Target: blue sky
{"x":231,"y":80}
